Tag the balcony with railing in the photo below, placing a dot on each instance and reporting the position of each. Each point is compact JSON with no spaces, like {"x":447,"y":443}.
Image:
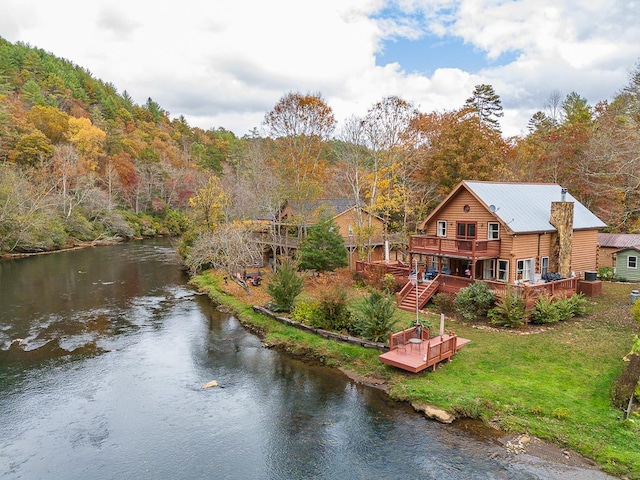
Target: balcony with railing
{"x":455,"y":247}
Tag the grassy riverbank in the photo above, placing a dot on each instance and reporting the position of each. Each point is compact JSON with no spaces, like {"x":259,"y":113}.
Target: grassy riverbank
{"x":553,"y":382}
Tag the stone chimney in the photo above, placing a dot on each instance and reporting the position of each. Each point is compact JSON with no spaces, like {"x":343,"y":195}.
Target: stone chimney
{"x":562,"y":239}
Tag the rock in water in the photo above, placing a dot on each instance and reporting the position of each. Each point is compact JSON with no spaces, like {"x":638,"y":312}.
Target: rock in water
{"x":211,"y":384}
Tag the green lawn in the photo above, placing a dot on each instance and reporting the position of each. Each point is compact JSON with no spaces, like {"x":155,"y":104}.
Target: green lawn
{"x":553,"y":382}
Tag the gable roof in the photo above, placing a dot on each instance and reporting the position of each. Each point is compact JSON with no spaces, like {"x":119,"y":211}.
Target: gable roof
{"x":627,"y":249}
{"x":618,"y":240}
{"x":526,"y":207}
{"x":332,"y":207}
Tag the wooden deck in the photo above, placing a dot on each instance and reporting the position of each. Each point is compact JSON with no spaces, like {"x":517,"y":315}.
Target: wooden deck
{"x":420,"y":355}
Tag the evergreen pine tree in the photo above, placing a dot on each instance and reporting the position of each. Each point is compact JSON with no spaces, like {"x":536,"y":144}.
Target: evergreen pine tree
{"x":323,"y":248}
{"x":486,"y":104}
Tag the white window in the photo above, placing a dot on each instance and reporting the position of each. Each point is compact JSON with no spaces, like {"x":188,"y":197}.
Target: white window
{"x":489,"y":269}
{"x":493,"y":230}
{"x":544,"y":265}
{"x":524,"y":269}
{"x":503,"y":270}
{"x":632,"y":261}
{"x":442,"y":228}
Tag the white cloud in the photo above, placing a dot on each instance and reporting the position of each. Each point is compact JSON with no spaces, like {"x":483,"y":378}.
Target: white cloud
{"x":226,"y":63}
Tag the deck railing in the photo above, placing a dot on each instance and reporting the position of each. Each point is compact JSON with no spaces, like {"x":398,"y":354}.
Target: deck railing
{"x":400,"y":339}
{"x":453,"y":284}
{"x":472,"y":248}
{"x":530,"y":292}
{"x":376,"y":270}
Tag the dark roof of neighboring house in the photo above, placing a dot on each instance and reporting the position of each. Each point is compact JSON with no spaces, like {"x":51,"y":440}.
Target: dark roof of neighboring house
{"x":328,"y":206}
{"x":618,"y":240}
{"x":526,"y":207}
{"x":331,"y":205}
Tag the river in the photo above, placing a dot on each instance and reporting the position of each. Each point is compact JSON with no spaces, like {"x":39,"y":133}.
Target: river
{"x":103,"y":353}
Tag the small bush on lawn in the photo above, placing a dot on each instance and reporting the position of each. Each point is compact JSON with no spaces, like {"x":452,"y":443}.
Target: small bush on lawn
{"x":551,"y":309}
{"x":443,"y":302}
{"x":579,"y":305}
{"x":606,"y":274}
{"x":333,"y":312}
{"x":376,"y":316}
{"x":564,"y":308}
{"x":626,"y":384}
{"x":388,"y":282}
{"x":305,"y":312}
{"x":545,"y":310}
{"x":509,"y":310}
{"x":474,"y":301}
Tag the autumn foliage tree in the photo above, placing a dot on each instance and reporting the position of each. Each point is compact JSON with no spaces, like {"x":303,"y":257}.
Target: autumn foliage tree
{"x":455,"y":147}
{"x":301,"y":124}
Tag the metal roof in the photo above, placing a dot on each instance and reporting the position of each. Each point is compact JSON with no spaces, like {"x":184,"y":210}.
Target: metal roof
{"x":618,"y":240}
{"x":526,"y":207}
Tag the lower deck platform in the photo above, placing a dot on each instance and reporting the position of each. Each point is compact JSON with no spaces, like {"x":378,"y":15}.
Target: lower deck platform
{"x":416,"y":356}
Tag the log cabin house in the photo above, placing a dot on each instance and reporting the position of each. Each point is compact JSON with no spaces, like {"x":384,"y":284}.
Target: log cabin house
{"x":515,"y":234}
{"x":282,"y":235}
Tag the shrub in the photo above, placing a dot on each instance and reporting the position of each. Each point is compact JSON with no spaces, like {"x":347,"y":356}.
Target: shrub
{"x":509,"y":310}
{"x":284,"y":287}
{"x":605,"y":273}
{"x":579,"y":304}
{"x":443,"y":302}
{"x":474,"y":301}
{"x":375,"y":275}
{"x":551,"y":309}
{"x":564,"y":308}
{"x":545,"y":310}
{"x":78,"y":226}
{"x":333,"y":312}
{"x":305,"y":312}
{"x":376,"y":316}
{"x":177,"y":222}
{"x":626,"y":384}
{"x":388,"y":282}
{"x":358,"y":279}
{"x":635,"y":310}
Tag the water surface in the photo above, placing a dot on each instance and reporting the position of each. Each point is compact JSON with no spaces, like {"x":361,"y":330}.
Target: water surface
{"x":103,"y":355}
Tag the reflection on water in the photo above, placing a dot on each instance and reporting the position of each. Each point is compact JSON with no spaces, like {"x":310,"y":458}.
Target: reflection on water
{"x":106,"y":383}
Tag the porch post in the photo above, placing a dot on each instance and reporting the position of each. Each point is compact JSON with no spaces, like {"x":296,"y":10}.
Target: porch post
{"x":416,"y":270}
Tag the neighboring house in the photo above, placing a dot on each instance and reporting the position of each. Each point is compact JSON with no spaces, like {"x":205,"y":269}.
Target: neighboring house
{"x":283,"y":235}
{"x":609,"y":244}
{"x":626,"y":264}
{"x":508,"y":232}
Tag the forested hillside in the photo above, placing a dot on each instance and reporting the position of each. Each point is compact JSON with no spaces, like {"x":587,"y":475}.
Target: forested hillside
{"x":80,"y":161}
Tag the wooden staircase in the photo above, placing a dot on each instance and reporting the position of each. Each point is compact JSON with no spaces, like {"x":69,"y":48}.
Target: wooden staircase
{"x":406,"y":297}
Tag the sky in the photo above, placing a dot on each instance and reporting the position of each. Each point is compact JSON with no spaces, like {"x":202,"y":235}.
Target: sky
{"x":226,"y":63}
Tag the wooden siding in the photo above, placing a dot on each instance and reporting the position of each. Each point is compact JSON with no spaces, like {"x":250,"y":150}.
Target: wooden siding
{"x":584,"y":252}
{"x":350,"y":218}
{"x":512,"y":247}
{"x":606,"y":257}
{"x":622,"y":270}
{"x":453,"y":213}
